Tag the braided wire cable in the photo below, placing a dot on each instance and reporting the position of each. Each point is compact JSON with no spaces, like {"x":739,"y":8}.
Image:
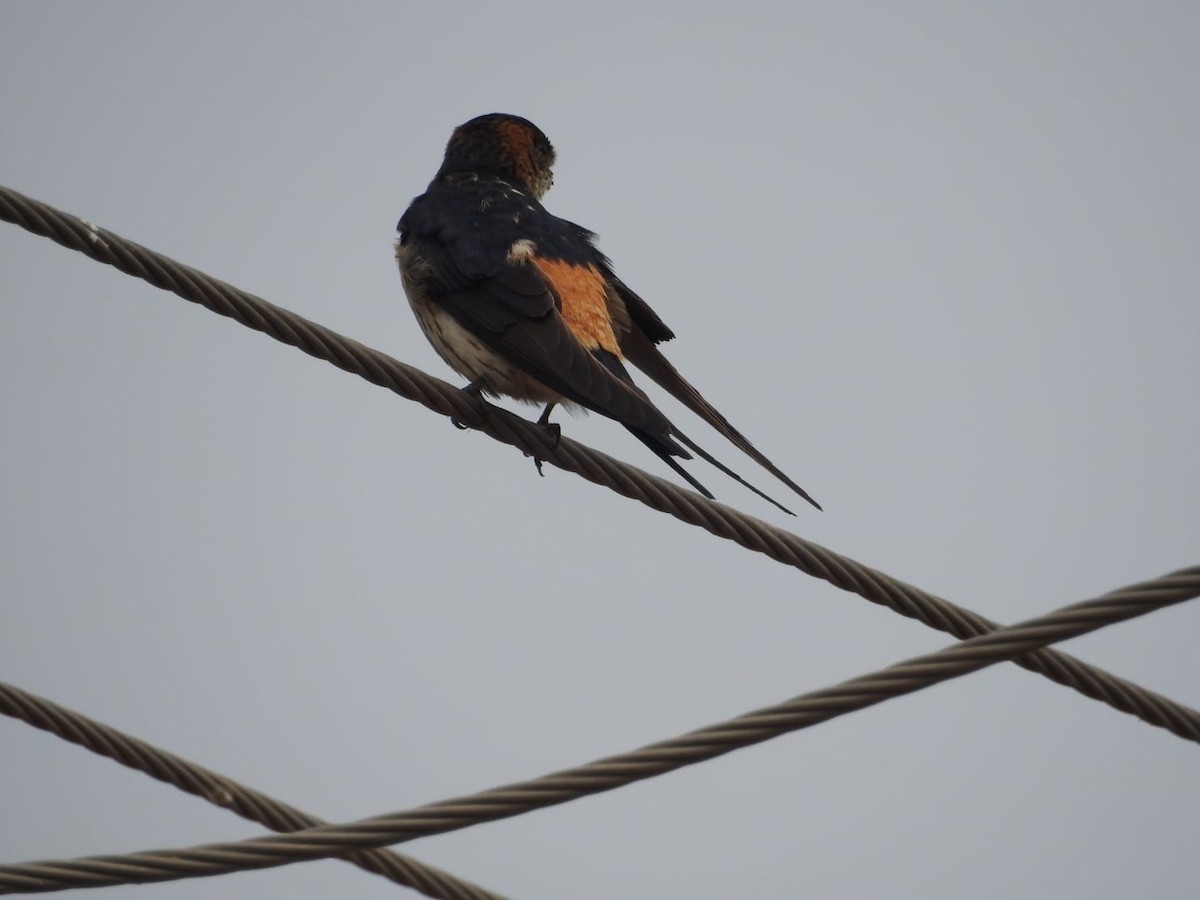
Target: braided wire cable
{"x":222,"y":791}
{"x":612,"y":772}
{"x":599,"y":468}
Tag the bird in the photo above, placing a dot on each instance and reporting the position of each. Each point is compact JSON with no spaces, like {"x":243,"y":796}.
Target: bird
{"x":523,"y":304}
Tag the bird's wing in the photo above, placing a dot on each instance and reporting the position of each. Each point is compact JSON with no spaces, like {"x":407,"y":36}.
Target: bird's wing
{"x":516,"y":307}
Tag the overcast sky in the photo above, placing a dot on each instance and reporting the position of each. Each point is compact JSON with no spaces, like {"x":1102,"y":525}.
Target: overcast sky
{"x":938,"y":260}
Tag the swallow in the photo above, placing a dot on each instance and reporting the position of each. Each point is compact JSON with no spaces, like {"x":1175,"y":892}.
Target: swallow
{"x":524,"y":305}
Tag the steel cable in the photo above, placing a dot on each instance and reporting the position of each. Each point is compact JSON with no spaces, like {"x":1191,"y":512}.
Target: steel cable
{"x":657,"y":493}
{"x":221,"y":791}
{"x":612,"y":772}
{"x":597,"y":467}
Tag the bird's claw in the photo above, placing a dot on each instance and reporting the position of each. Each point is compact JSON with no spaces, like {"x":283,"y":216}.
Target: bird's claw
{"x":555,"y":432}
{"x":474,"y":390}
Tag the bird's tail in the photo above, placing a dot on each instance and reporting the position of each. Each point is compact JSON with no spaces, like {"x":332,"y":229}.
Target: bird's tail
{"x":665,"y":448}
{"x":642,"y":353}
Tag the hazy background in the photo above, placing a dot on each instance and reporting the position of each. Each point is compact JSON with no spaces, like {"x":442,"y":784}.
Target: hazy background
{"x":939,"y":260}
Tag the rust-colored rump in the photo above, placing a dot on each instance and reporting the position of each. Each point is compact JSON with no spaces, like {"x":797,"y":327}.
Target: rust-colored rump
{"x":582,"y":290}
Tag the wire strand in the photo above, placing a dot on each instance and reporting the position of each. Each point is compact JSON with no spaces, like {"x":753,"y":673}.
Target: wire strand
{"x":221,"y":790}
{"x":599,"y":468}
{"x":612,"y":772}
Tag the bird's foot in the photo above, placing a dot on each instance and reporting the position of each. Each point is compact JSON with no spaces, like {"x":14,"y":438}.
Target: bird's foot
{"x":474,"y":389}
{"x":555,"y":435}
{"x":555,"y":432}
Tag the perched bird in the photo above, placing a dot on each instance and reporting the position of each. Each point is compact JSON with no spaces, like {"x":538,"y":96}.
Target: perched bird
{"x":522,"y":303}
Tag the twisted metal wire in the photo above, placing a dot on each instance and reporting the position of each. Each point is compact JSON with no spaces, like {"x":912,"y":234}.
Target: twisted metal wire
{"x":222,"y":791}
{"x":616,"y":771}
{"x":597,"y":467}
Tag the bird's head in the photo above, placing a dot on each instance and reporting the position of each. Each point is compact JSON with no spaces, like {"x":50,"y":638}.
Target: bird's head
{"x":503,"y":145}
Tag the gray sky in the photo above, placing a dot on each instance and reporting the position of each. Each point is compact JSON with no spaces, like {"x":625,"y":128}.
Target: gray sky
{"x":937,"y":260}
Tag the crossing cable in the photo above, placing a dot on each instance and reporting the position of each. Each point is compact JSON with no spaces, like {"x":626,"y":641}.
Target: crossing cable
{"x":613,"y":772}
{"x":222,"y":791}
{"x":657,"y":493}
